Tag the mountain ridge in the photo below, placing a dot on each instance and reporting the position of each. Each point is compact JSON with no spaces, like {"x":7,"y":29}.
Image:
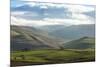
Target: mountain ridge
{"x":25,"y":38}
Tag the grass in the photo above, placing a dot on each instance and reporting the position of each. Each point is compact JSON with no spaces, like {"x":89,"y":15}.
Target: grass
{"x":51,"y":56}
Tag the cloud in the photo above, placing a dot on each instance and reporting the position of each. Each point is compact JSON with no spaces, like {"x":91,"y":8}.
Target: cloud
{"x":26,"y":15}
{"x":17,"y":13}
{"x":71,"y":7}
{"x":38,"y":14}
{"x":79,"y":8}
{"x":31,"y":4}
{"x":70,"y":21}
{"x":48,"y":21}
{"x":44,"y":7}
{"x":25,"y":22}
{"x":88,"y":2}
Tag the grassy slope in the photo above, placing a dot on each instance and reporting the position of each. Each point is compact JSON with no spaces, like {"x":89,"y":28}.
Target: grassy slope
{"x":51,"y":56}
{"x":82,"y":43}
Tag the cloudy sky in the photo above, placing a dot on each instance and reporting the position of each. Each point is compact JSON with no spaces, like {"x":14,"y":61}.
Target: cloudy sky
{"x":50,"y":12}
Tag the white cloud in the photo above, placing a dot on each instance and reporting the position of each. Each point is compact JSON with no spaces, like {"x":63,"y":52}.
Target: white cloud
{"x":31,"y":4}
{"x":76,"y":16}
{"x":75,"y":19}
{"x":23,"y":14}
{"x":14,"y":21}
{"x":79,"y":19}
{"x":71,"y":7}
{"x":79,"y":8}
{"x":24,"y":22}
{"x":70,"y":21}
{"x":44,"y":7}
{"x":18,"y":13}
{"x":88,"y":2}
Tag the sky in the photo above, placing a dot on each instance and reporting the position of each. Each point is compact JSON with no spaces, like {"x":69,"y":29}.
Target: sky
{"x":53,"y":12}
{"x":89,"y":2}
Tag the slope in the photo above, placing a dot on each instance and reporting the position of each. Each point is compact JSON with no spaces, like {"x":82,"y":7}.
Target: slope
{"x":82,"y":43}
{"x":30,"y":38}
{"x":74,"y":32}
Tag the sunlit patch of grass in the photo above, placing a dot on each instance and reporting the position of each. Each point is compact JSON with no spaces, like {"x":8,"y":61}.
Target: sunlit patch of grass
{"x":54,"y":56}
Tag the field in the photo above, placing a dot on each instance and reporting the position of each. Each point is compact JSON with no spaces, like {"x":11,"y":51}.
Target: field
{"x":51,"y":56}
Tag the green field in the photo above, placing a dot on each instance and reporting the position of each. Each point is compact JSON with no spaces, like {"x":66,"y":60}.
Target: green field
{"x":50,"y":56}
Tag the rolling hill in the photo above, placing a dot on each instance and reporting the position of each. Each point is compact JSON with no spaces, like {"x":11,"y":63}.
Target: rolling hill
{"x":82,"y":43}
{"x":72,"y":32}
{"x":23,"y":37}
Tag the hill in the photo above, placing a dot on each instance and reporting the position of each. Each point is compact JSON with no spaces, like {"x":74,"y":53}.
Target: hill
{"x":82,"y":43}
{"x":73,"y":32}
{"x":23,"y":37}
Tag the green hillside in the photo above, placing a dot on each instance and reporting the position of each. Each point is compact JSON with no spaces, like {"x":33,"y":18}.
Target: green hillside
{"x":82,"y":43}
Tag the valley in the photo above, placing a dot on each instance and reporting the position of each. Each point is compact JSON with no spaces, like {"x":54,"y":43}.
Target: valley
{"x":31,"y":46}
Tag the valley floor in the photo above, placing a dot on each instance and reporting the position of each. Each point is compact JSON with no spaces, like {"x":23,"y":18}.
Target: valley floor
{"x":51,"y":56}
